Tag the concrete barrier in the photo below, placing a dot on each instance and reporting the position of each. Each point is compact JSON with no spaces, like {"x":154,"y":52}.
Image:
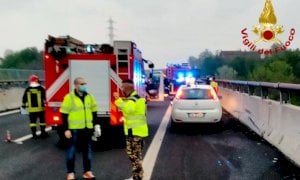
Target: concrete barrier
{"x":11,"y":98}
{"x":278,"y":123}
{"x":290,"y":142}
{"x":274,"y":132}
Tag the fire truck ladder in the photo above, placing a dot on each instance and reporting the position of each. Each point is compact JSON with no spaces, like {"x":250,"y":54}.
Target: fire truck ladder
{"x":123,"y":62}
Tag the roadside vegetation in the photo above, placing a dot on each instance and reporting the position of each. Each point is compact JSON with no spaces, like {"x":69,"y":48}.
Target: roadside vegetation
{"x":282,"y":67}
{"x":28,"y":58}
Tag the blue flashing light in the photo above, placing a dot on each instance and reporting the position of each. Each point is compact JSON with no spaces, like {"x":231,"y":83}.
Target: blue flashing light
{"x":189,"y":75}
{"x":90,"y":49}
{"x":181,"y":79}
{"x":180,"y":75}
{"x":184,"y":76}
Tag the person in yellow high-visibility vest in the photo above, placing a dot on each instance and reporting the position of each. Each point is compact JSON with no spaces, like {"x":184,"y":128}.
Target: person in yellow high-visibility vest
{"x":214,"y":84}
{"x":133,"y":108}
{"x":34,"y":99}
{"x":79,"y":114}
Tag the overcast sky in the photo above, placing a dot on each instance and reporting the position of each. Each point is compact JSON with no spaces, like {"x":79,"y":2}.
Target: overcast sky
{"x":165,"y":31}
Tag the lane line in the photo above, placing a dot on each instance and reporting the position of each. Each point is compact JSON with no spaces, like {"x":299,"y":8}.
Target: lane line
{"x":9,"y":112}
{"x":26,"y":137}
{"x":153,"y":150}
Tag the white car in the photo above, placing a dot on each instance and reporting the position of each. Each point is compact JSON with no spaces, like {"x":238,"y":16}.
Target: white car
{"x":196,"y":104}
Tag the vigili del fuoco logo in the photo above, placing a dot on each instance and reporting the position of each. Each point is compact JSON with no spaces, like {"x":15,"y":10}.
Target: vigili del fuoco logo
{"x":267,"y":31}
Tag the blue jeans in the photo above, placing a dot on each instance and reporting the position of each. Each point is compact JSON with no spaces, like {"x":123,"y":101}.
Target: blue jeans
{"x":80,"y":139}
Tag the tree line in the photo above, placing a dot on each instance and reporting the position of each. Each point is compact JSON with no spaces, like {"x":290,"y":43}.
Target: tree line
{"x":279,"y":67}
{"x":28,"y":58}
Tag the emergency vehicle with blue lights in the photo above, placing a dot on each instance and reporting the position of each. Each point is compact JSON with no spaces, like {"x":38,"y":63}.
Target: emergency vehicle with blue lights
{"x":102,"y":66}
{"x":179,"y":74}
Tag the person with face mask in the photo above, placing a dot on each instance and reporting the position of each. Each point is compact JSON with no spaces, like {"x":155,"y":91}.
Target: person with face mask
{"x":133,"y":108}
{"x":80,"y":123}
{"x":34,"y":99}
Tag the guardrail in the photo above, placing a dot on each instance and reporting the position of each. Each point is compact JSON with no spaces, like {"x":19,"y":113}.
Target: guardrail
{"x":274,"y":119}
{"x":17,"y":76}
{"x":283,"y":91}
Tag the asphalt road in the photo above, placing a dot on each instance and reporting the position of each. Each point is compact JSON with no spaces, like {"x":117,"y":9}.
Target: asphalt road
{"x":195,"y":152}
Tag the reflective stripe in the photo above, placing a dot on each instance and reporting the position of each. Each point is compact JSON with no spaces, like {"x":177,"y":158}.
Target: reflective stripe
{"x":134,"y":125}
{"x":80,"y":122}
{"x":39,"y":107}
{"x":32,"y":125}
{"x":133,"y":98}
{"x":35,"y":109}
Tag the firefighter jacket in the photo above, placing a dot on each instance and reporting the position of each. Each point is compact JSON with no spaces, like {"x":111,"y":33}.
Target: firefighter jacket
{"x":80,"y":112}
{"x":34,"y":98}
{"x":134,"y":112}
{"x":214,"y":84}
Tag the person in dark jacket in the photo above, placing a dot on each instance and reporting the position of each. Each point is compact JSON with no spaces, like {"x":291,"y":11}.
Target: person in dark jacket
{"x":34,"y":99}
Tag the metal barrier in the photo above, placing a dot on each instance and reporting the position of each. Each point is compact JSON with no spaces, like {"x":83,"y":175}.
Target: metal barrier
{"x":12,"y":76}
{"x":263,"y":89}
{"x":276,"y":120}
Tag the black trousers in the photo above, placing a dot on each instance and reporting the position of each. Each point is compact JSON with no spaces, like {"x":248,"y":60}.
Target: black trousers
{"x":34,"y":117}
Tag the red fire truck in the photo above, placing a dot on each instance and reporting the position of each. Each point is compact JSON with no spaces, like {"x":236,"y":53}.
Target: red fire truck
{"x":104,"y":67}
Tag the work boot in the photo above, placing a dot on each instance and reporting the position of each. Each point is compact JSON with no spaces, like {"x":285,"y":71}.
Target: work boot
{"x":88,"y":175}
{"x":33,"y":132}
{"x":34,"y":136}
{"x":70,"y":176}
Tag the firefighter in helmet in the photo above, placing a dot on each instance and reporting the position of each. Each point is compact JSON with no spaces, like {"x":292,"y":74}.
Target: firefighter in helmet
{"x":34,"y":99}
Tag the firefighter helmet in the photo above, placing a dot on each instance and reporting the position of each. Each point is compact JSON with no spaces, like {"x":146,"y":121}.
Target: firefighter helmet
{"x":33,"y":78}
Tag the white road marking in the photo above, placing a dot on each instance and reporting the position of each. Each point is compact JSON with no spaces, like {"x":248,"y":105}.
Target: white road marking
{"x":153,"y":150}
{"x":9,"y":112}
{"x":24,"y":138}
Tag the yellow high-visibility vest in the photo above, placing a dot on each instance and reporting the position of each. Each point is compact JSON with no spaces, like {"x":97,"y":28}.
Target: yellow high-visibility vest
{"x":80,"y":114}
{"x":214,"y":84}
{"x":134,"y":112}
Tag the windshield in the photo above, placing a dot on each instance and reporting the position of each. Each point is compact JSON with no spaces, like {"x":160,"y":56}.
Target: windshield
{"x":194,"y":93}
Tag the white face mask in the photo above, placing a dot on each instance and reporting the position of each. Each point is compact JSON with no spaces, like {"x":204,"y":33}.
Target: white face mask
{"x":34,"y":84}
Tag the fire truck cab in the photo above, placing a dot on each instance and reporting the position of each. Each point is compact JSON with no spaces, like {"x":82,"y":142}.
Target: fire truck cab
{"x":103,"y":67}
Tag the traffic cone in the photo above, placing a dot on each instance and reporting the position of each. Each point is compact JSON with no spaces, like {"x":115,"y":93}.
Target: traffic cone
{"x":8,"y":137}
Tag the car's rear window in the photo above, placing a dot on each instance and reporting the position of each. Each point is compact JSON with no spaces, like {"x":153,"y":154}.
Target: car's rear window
{"x":195,"y":93}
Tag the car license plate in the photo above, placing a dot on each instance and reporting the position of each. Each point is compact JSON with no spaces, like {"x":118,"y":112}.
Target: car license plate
{"x":195,"y":115}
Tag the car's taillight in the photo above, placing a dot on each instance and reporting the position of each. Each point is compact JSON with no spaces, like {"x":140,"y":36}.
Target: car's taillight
{"x":179,"y":94}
